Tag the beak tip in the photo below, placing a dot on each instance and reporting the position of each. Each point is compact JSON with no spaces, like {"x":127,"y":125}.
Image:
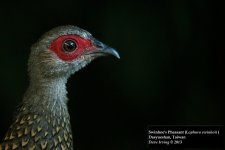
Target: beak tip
{"x":115,"y":53}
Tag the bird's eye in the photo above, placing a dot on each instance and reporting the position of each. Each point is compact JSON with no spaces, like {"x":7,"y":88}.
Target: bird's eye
{"x":69,"y":46}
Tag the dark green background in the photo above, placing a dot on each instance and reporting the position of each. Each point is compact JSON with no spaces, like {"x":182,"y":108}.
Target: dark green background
{"x":171,"y":69}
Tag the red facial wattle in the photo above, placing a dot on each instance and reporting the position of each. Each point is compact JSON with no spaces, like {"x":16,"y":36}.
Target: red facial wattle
{"x":81,"y":43}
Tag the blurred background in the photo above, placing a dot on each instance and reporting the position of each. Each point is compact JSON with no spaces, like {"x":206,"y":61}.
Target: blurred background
{"x":171,"y":70}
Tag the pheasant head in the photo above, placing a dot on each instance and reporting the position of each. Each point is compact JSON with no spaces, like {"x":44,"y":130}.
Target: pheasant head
{"x":63,"y":51}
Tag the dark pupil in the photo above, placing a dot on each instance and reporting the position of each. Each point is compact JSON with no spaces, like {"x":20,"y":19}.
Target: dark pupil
{"x":69,"y":46}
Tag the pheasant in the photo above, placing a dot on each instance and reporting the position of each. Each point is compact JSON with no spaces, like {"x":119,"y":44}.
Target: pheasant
{"x":42,"y":120}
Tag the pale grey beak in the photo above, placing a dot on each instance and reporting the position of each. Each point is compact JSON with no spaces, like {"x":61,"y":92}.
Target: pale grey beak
{"x":104,"y":49}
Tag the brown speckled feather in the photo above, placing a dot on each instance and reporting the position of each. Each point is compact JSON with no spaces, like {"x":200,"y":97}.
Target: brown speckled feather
{"x":39,"y":130}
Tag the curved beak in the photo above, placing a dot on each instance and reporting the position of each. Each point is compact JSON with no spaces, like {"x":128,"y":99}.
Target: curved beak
{"x":104,"y":49}
{"x":111,"y":51}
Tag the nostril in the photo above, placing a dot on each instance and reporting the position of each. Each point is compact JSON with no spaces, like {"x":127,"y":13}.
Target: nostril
{"x":99,"y":44}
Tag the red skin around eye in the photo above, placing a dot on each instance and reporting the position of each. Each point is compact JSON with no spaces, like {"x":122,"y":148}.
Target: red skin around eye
{"x":57,"y":47}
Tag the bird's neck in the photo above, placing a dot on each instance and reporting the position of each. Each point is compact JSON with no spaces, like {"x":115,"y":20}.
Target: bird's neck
{"x":43,"y":118}
{"x":47,"y":91}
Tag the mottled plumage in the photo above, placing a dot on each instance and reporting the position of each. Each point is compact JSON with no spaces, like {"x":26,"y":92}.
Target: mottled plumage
{"x":42,"y":120}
